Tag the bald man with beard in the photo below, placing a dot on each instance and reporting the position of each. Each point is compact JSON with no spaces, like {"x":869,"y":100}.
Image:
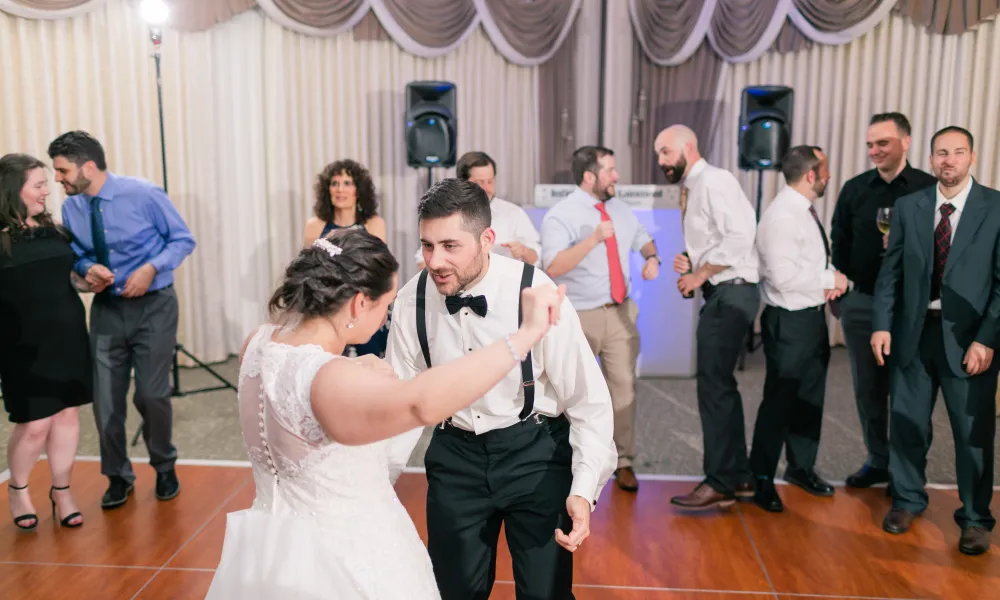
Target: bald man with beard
{"x":719,"y":230}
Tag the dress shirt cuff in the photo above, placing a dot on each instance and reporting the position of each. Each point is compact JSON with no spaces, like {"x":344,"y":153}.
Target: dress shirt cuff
{"x":83,"y":265}
{"x":828,"y":279}
{"x":159,"y":263}
{"x":585,"y":486}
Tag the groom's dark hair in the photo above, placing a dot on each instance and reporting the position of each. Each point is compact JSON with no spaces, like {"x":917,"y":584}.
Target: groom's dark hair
{"x":457,"y":196}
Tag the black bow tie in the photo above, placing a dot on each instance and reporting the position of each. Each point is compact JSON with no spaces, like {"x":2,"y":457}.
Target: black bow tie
{"x":476,"y":303}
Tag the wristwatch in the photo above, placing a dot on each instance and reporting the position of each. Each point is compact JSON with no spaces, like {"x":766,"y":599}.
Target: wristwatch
{"x":658,"y":261}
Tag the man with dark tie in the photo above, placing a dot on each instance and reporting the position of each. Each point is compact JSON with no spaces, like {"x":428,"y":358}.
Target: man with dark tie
{"x":936,"y":322}
{"x":796,"y":282}
{"x":587,"y":239}
{"x":857,"y":247}
{"x":534,"y":453}
{"x":129,"y":239}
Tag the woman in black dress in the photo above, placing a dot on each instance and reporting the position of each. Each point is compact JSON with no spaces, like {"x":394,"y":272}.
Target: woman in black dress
{"x":345,"y":199}
{"x":45,"y":365}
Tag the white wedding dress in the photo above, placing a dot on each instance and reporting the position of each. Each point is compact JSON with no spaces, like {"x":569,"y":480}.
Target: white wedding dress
{"x":326,"y":522}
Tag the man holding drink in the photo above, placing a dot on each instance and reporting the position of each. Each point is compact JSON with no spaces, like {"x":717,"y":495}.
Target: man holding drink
{"x":857,"y":246}
{"x":719,"y":230}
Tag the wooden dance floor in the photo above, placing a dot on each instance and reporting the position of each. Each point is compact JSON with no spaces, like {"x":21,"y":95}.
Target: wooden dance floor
{"x":640,"y":549}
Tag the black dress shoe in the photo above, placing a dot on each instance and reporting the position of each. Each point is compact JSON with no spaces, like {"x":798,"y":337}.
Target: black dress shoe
{"x":744,"y":490}
{"x":767,"y":496}
{"x":898,"y":520}
{"x":118,"y":490}
{"x":167,"y":486}
{"x":809,"y":481}
{"x":867,"y":476}
{"x":975,"y":541}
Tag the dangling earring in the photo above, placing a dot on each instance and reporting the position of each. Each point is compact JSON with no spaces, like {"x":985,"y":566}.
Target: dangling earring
{"x":351,"y":324}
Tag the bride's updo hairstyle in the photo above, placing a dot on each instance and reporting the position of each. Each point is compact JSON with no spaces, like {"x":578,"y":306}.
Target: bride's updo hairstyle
{"x":325,"y":276}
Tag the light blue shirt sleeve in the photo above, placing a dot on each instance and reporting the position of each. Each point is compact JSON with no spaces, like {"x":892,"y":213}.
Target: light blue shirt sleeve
{"x":169,"y":224}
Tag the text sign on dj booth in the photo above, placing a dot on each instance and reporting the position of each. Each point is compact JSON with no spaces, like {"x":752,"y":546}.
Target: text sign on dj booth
{"x":667,"y":321}
{"x":637,"y":196}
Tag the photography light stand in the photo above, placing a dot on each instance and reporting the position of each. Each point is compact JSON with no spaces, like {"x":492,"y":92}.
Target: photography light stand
{"x":156,"y":37}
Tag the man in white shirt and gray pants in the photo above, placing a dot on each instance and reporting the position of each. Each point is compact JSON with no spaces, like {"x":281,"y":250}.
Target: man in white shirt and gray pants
{"x":719,"y":227}
{"x":534,"y":453}
{"x":797,"y":280}
{"x":586,"y":243}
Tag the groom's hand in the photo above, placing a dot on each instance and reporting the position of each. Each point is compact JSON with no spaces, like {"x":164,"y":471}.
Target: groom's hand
{"x":579,"y":511}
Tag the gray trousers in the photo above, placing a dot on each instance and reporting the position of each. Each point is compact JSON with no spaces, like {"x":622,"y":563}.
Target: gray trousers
{"x":871,"y":382}
{"x":134,"y":334}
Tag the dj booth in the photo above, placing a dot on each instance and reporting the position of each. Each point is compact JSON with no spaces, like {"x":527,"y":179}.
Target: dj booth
{"x":667,"y":321}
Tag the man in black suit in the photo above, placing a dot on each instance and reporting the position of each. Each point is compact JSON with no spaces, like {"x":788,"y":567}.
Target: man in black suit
{"x":937,"y":304}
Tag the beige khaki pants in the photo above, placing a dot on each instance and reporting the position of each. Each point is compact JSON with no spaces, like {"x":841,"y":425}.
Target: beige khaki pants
{"x":614,"y":339}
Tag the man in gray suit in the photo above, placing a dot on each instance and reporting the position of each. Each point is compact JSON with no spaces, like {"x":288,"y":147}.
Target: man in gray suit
{"x":937,"y":304}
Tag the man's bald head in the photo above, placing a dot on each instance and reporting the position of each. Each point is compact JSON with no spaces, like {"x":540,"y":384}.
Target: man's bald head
{"x":676,"y":150}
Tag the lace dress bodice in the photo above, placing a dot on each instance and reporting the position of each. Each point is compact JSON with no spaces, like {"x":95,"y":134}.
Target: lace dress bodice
{"x":297,"y":468}
{"x":326,"y":522}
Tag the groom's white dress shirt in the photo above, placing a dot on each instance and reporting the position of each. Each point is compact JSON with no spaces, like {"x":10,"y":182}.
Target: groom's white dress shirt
{"x":568,"y":379}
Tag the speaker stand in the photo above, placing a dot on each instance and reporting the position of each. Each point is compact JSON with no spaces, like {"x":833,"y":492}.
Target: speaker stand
{"x":430,"y":177}
{"x":753,"y":340}
{"x":177,"y":392}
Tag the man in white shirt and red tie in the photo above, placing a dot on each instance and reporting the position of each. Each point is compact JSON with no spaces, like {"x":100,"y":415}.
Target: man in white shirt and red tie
{"x":797,"y":280}
{"x":719,"y":228}
{"x":586,"y":241}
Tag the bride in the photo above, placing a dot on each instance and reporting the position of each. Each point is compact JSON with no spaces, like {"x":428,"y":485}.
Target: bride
{"x":326,"y":522}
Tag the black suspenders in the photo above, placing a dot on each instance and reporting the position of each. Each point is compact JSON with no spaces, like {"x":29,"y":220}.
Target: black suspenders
{"x":527,"y":372}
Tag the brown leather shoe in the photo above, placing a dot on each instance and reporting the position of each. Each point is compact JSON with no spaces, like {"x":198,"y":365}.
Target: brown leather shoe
{"x":703,"y":497}
{"x":898,"y":520}
{"x":975,"y":541}
{"x":626,"y":479}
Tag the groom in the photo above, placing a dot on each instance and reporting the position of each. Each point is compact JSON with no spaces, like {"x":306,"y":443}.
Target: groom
{"x":534,"y":453}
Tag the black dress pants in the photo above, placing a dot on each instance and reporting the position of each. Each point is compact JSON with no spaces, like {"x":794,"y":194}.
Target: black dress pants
{"x":797,"y":354}
{"x":518,"y":477}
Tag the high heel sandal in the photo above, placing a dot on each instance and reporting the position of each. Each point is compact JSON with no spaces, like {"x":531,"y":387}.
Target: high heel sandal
{"x":25,"y":517}
{"x":65,"y":522}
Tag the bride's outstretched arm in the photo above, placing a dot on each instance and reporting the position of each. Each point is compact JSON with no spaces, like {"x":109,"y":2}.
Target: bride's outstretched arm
{"x":357,"y":409}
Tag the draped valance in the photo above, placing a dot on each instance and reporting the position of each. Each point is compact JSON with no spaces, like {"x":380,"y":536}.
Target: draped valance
{"x":525,"y":33}
{"x":670,"y":31}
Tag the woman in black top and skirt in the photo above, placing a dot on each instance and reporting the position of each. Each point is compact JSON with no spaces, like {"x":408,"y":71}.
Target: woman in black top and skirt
{"x":345,"y":199}
{"x":45,"y":364}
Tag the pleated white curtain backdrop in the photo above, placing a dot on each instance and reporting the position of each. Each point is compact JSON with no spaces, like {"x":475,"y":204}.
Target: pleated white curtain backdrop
{"x":935,"y":80}
{"x":253,"y":112}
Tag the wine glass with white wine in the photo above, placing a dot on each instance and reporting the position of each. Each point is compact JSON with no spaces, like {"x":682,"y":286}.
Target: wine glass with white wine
{"x":882,"y":220}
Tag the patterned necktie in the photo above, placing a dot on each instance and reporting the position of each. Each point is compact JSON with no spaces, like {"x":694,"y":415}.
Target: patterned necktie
{"x":684,"y":202}
{"x":614,"y":261}
{"x":822,"y":233}
{"x":97,"y":232}
{"x":942,"y":244}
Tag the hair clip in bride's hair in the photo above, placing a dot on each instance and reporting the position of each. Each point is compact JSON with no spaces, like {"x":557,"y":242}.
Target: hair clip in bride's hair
{"x":331,"y":249}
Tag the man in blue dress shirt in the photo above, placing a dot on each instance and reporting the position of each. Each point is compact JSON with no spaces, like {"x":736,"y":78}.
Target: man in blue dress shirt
{"x":129,"y":239}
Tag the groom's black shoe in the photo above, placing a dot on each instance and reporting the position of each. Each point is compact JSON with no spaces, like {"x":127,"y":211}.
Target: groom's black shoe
{"x":167,"y":486}
{"x":118,"y":490}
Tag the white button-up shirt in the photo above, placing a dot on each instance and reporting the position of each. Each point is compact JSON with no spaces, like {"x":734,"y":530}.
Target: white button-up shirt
{"x":575,"y":217}
{"x":511,"y":224}
{"x":959,"y":203}
{"x":720,"y":224}
{"x":793,"y":262}
{"x":568,"y":379}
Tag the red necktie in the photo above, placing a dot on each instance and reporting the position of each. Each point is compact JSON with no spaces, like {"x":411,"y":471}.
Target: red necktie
{"x":942,"y":245}
{"x":614,"y":261}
